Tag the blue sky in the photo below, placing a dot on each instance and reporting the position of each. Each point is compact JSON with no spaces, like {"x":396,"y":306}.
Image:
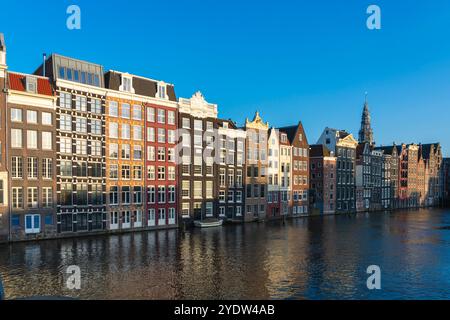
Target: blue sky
{"x":292,"y":60}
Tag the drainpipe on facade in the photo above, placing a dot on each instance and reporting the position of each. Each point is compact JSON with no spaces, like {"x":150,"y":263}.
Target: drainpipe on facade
{"x":6,"y":91}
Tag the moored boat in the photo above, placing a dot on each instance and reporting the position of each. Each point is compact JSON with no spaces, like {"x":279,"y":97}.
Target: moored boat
{"x":208,"y":223}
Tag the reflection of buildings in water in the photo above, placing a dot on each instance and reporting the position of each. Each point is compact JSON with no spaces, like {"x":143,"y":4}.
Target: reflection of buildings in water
{"x":221,"y":264}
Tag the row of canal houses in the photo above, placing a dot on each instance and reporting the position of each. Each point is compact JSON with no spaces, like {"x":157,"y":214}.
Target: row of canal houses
{"x":84,"y":151}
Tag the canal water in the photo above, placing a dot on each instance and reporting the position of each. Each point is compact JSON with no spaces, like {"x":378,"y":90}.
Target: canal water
{"x":306,"y":258}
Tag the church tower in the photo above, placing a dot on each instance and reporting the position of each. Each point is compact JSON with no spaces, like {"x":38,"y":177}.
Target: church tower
{"x":366,"y":133}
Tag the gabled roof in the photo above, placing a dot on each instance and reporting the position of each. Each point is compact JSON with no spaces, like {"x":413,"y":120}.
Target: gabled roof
{"x":290,"y":132}
{"x":319,"y":150}
{"x":16,"y":81}
{"x":142,"y":86}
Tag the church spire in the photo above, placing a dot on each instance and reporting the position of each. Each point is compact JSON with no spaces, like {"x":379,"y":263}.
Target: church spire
{"x":366,"y":133}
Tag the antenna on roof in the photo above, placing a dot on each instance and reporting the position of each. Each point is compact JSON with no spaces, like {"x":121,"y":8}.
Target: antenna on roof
{"x":44,"y":56}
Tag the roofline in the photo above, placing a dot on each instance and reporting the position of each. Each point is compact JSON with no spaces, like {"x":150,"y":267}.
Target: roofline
{"x":29,"y":74}
{"x":140,"y":77}
{"x":68,"y":57}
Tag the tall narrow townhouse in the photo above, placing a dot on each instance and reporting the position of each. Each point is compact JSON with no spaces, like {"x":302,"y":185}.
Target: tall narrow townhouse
{"x":432,"y":155}
{"x":285,"y":173}
{"x":4,"y":179}
{"x":256,"y":168}
{"x":413,"y":184}
{"x":322,"y":179}
{"x":229,"y":167}
{"x":31,"y":151}
{"x":344,"y":146}
{"x":300,"y":168}
{"x":390,"y":176}
{"x":80,"y":140}
{"x":421,"y":176}
{"x":273,"y":173}
{"x":161,"y":171}
{"x":124,"y":134}
{"x":211,"y":154}
{"x":402,"y":199}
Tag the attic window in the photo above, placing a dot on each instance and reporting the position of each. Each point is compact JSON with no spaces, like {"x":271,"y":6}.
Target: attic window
{"x":31,"y":84}
{"x":127,"y":84}
{"x":162,"y":91}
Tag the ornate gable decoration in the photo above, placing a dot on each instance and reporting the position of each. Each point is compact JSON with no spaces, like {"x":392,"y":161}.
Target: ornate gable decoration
{"x":257,"y":123}
{"x":197,"y":106}
{"x":348,"y":141}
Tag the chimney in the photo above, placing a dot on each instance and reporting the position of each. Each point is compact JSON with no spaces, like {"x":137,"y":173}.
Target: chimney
{"x":43,"y":64}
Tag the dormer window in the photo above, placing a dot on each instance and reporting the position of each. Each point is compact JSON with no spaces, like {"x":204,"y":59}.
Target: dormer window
{"x":127,"y":84}
{"x":31,"y":84}
{"x":162,"y":90}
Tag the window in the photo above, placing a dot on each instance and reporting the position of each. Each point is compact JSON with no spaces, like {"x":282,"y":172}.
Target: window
{"x":32,"y":168}
{"x":125,"y":174}
{"x":96,"y":106}
{"x":209,"y":189}
{"x":151,"y":134}
{"x":161,"y":194}
{"x":66,"y":194}
{"x":221,"y":196}
{"x":47,"y":140}
{"x":81,"y":146}
{"x":125,"y":151}
{"x":32,"y":223}
{"x":185,"y":189}
{"x":113,"y":150}
{"x":126,"y":83}
{"x":230,"y":196}
{"x":198,"y":189}
{"x":31,"y":139}
{"x":126,"y":195}
{"x":65,"y":122}
{"x":113,"y":130}
{"x":151,"y":172}
{"x":47,"y":168}
{"x":47,"y":197}
{"x":125,"y":110}
{"x":113,"y":195}
{"x":137,"y":172}
{"x":186,"y":123}
{"x":137,"y":112}
{"x":96,"y":127}
{"x":32,"y":197}
{"x":137,"y":153}
{"x":170,"y":117}
{"x":81,"y":169}
{"x":151,"y":156}
{"x":137,"y":133}
{"x":137,"y":195}
{"x":171,"y":173}
{"x":16,"y":115}
{"x":16,"y":167}
{"x":65,"y":145}
{"x":171,"y":194}
{"x":125,"y":131}
{"x":171,"y":154}
{"x":161,"y":135}
{"x":96,"y":148}
{"x":66,"y":168}
{"x":46,"y":118}
{"x":16,"y":138}
{"x":113,"y":109}
{"x":150,"y":114}
{"x":161,"y":154}
{"x":113,"y":171}
{"x":81,"y":103}
{"x":17,"y":198}
{"x":151,"y":194}
{"x":161,"y":116}
{"x":171,"y":136}
{"x":161,"y":173}
{"x":161,"y":91}
{"x":32,"y":116}
{"x":238,"y":196}
{"x":161,"y":216}
{"x":65,"y":100}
